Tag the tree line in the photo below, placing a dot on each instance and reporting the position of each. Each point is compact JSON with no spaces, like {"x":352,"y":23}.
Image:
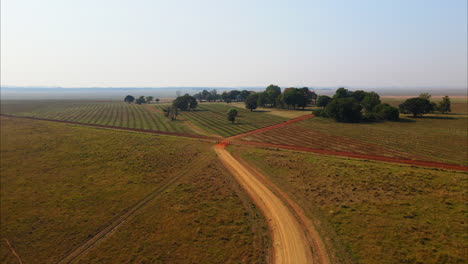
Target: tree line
{"x":356,"y":106}
{"x":140,"y":100}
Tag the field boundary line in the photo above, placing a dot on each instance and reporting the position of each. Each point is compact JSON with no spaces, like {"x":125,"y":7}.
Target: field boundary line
{"x":89,"y":244}
{"x":13,"y":251}
{"x":421,"y":163}
{"x":118,"y":128}
{"x":263,"y":129}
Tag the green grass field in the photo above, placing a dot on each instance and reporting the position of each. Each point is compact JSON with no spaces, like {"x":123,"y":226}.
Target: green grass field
{"x":212,"y":117}
{"x":94,"y":112}
{"x":63,"y":183}
{"x":372,"y":212}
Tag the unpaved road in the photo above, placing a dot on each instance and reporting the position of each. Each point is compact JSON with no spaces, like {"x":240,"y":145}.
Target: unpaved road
{"x":290,"y":244}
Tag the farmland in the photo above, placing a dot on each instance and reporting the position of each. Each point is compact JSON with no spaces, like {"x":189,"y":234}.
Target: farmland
{"x":372,"y":212}
{"x":433,"y":138}
{"x":61,"y":184}
{"x":116,"y":114}
{"x":212,"y":117}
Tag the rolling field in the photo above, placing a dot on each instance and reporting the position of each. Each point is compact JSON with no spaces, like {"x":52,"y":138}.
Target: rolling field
{"x":372,"y":212}
{"x":212,"y":117}
{"x":117,"y":114}
{"x":62,"y":184}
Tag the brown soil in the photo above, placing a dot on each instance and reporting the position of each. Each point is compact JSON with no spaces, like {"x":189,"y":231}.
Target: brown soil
{"x":290,"y":243}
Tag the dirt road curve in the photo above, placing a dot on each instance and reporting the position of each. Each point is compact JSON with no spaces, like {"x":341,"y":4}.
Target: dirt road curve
{"x":290,"y":244}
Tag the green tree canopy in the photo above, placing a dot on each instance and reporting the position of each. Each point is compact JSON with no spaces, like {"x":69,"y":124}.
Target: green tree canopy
{"x":370,"y":100}
{"x":416,"y":106}
{"x":323,"y":100}
{"x":344,"y":109}
{"x":140,"y":100}
{"x":251,"y":102}
{"x":129,"y":99}
{"x":445,"y":105}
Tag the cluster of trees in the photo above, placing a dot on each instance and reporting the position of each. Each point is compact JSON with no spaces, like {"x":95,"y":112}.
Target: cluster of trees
{"x":140,"y":100}
{"x":231,"y":96}
{"x":273,"y":97}
{"x":422,"y":105}
{"x":349,"y":106}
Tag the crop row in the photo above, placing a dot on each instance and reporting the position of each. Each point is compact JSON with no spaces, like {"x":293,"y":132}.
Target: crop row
{"x":441,"y":139}
{"x":104,"y":113}
{"x":384,"y":141}
{"x":298,"y":136}
{"x":212,"y":117}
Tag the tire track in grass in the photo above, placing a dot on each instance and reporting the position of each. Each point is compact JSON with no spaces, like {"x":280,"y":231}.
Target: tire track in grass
{"x":90,"y":243}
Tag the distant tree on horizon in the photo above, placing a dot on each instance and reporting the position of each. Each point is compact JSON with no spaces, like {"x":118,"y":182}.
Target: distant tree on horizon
{"x":129,"y":99}
{"x":140,"y":100}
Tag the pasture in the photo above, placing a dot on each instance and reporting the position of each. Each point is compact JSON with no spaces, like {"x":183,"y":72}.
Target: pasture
{"x":373,"y":212}
{"x":212,"y":117}
{"x":61,"y":184}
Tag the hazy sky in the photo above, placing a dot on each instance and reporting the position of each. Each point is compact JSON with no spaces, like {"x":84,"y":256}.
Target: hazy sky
{"x":80,"y":43}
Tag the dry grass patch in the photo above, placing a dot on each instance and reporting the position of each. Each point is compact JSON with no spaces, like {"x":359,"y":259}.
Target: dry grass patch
{"x":372,"y":212}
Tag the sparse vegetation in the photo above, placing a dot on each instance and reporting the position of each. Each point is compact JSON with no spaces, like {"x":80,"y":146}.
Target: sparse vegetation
{"x":374,"y":212}
{"x":61,"y":184}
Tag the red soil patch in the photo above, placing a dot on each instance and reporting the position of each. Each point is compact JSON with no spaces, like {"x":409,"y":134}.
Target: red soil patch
{"x":356,"y":155}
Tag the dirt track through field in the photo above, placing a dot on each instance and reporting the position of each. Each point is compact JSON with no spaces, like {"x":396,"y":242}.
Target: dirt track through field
{"x":90,"y":243}
{"x":290,"y":244}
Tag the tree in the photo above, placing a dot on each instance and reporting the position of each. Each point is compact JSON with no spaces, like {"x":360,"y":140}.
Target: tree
{"x":244,"y":94}
{"x":344,"y":109}
{"x":171,"y":112}
{"x":251,"y":101}
{"x":342,"y":93}
{"x":149,"y":99}
{"x":129,"y":99}
{"x":157,"y":100}
{"x":231,"y":115}
{"x":359,"y":95}
{"x":140,"y":100}
{"x":185,"y":102}
{"x":370,"y":100}
{"x":445,"y":105}
{"x":426,"y":96}
{"x":272,"y":92}
{"x":416,"y":106}
{"x":386,"y":112}
{"x":323,"y":100}
{"x":262,"y":99}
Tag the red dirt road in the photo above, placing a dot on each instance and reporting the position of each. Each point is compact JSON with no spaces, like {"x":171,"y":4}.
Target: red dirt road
{"x":290,"y":242}
{"x":260,"y":130}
